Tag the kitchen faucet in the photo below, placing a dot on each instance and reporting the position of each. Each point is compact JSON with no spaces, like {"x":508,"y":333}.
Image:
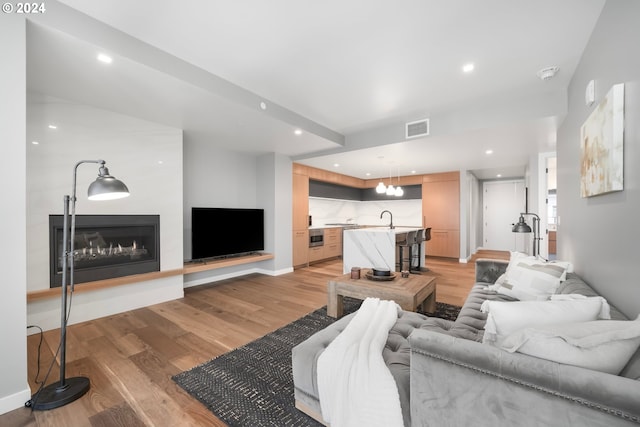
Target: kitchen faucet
{"x":390,"y":215}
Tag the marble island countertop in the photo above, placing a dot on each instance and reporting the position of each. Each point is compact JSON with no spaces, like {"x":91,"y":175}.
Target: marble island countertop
{"x":365,"y":227}
{"x":383,"y":229}
{"x":373,"y":247}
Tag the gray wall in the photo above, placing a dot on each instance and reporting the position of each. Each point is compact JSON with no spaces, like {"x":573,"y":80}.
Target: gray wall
{"x":600,"y":234}
{"x":215,"y":178}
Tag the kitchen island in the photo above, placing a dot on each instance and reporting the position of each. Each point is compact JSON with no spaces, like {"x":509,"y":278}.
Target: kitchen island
{"x":374,"y":247}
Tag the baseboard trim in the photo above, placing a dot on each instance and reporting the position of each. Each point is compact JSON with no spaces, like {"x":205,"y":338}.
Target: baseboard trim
{"x":14,"y":401}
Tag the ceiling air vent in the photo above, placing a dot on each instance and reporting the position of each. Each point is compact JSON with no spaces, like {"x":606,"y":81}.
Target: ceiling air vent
{"x":417,"y":128}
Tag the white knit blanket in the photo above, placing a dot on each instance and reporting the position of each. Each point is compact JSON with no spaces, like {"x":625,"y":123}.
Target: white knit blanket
{"x":355,"y":386}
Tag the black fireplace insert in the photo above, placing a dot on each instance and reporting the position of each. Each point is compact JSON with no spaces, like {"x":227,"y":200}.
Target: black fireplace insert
{"x":106,"y":246}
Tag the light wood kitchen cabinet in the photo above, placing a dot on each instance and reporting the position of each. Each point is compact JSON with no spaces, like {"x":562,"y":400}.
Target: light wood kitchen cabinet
{"x":316,"y":253}
{"x":441,"y":212}
{"x":300,"y":219}
{"x":300,"y":198}
{"x":552,"y":242}
{"x":444,"y":243}
{"x":300,"y":248}
{"x":332,"y":242}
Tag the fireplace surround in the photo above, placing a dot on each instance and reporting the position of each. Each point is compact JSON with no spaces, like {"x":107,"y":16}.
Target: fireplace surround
{"x":106,"y":246}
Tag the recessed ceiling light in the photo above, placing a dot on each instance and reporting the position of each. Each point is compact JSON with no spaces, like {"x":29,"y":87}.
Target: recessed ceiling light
{"x":413,"y":171}
{"x":335,"y":165}
{"x":263,"y":105}
{"x":488,"y":152}
{"x":53,"y":127}
{"x":160,"y":162}
{"x":499,"y":175}
{"x":368,"y":174}
{"x":35,"y":142}
{"x":105,"y":58}
{"x":298,"y":132}
{"x":467,"y":68}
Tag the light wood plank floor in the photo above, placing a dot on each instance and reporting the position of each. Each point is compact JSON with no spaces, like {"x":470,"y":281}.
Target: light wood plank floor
{"x":130,"y":357}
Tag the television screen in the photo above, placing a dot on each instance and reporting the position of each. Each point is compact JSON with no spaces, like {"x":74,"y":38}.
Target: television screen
{"x":217,"y":232}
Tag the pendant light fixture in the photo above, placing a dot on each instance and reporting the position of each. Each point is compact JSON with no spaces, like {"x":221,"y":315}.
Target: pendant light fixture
{"x":399,"y":191}
{"x":390,"y":190}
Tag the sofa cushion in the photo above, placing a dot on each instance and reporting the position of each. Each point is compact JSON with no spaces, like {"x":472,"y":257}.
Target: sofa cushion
{"x":601,"y":345}
{"x":505,"y":318}
{"x":396,"y":354}
{"x":632,"y":369}
{"x":575,"y":285}
{"x":470,"y":321}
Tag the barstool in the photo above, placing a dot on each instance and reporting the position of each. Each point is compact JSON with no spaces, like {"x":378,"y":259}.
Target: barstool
{"x":421,"y":236}
{"x":405,"y":245}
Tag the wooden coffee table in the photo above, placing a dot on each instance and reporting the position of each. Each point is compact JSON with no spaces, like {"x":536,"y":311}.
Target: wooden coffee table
{"x":409,"y":293}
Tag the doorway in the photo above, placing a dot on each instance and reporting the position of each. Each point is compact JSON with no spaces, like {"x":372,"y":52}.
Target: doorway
{"x":502,"y":203}
{"x":552,"y":206}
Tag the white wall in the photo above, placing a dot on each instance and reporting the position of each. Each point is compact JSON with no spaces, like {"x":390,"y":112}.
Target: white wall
{"x":147,"y":157}
{"x":475,"y":214}
{"x":275,"y":197}
{"x":14,"y":390}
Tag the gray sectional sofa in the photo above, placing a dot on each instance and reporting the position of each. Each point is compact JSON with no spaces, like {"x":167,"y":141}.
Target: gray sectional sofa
{"x":447,"y":377}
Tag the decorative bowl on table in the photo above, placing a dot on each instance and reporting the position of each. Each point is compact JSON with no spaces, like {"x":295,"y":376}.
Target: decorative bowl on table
{"x":380,"y":274}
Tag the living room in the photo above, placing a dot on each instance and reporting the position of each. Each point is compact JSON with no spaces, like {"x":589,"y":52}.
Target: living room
{"x":592,"y":232}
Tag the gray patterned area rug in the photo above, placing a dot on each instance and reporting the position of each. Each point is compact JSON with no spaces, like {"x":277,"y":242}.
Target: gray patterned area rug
{"x":253,"y":384}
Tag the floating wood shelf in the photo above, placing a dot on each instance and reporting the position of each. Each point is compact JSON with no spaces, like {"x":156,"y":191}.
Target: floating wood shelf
{"x":103,"y":284}
{"x":190,"y":267}
{"x":195,"y":267}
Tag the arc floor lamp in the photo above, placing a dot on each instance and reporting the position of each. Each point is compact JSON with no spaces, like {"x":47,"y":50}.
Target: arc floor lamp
{"x":105,"y":187}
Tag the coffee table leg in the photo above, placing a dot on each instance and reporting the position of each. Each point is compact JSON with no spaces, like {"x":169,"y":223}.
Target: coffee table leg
{"x":429,"y":304}
{"x":334,"y":301}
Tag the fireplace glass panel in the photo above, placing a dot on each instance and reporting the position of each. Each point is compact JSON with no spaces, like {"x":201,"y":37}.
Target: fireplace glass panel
{"x":107,"y":246}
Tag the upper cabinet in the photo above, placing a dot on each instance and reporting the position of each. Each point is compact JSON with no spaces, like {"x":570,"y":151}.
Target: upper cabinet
{"x":441,"y":212}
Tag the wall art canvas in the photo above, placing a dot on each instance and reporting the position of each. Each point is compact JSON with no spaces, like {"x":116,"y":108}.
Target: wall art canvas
{"x":602,"y":154}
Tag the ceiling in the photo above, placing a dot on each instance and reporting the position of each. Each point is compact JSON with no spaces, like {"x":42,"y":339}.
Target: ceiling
{"x":349,"y":74}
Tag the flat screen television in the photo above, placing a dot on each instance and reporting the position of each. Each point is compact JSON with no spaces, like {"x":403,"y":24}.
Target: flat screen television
{"x":219,"y":232}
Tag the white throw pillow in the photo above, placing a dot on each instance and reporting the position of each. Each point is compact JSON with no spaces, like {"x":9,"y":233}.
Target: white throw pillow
{"x":507,"y":317}
{"x":566,"y":266}
{"x":601,"y":345}
{"x":530,"y":280}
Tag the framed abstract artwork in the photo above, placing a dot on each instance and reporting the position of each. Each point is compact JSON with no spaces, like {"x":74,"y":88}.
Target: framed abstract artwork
{"x":602,"y":143}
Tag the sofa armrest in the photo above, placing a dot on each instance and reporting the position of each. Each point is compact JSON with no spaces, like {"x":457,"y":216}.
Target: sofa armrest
{"x":461,"y":382}
{"x":488,"y":270}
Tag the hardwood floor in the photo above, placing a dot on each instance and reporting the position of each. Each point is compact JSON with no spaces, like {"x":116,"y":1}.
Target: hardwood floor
{"x":130,"y":357}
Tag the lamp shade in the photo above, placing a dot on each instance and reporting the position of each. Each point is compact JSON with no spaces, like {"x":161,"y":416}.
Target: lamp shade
{"x":381,"y":188}
{"x":107,"y":187}
{"x":521,"y":226}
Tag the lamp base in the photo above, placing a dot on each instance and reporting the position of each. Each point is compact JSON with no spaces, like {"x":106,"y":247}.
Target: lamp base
{"x":53,"y":396}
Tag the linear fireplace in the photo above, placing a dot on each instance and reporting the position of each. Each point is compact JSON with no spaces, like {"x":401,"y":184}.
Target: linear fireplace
{"x":106,"y":246}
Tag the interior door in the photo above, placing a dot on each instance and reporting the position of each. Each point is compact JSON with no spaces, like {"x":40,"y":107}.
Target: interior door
{"x":502,"y":203}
